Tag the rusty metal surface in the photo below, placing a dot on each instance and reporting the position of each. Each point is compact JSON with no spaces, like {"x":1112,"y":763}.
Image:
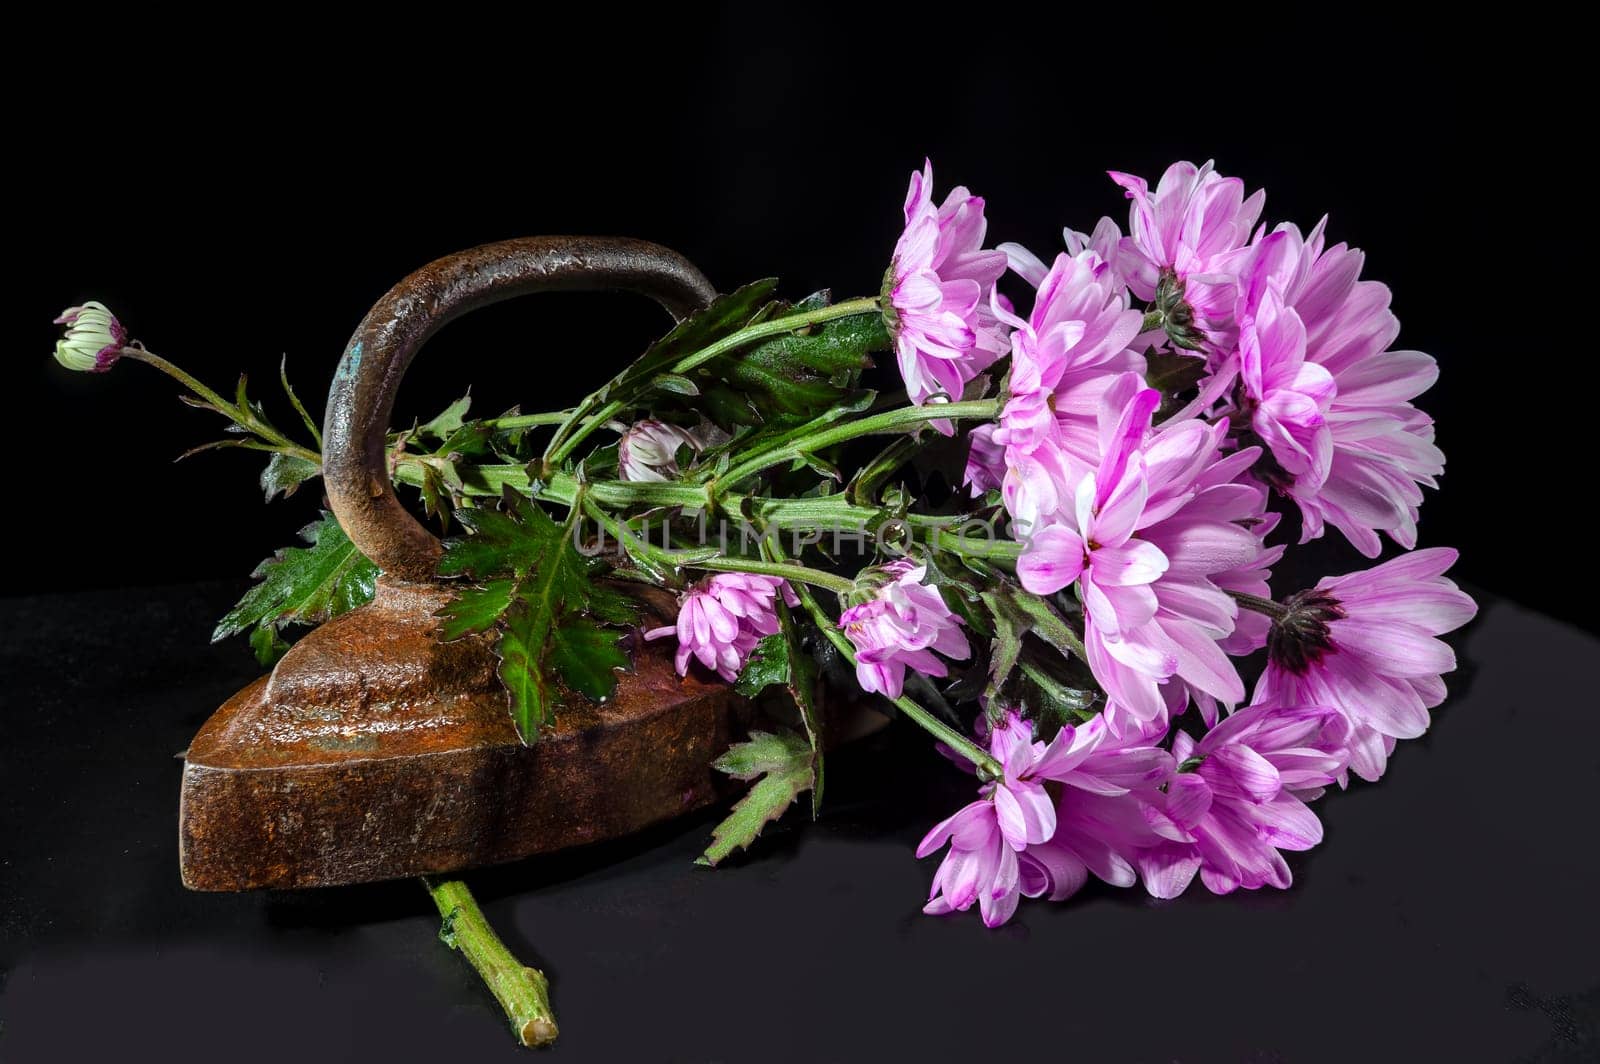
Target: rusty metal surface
{"x":374,"y":750}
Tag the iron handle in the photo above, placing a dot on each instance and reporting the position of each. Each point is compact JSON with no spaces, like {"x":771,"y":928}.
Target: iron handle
{"x":361,"y":400}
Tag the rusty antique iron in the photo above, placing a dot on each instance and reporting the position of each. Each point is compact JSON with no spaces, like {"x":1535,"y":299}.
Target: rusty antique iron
{"x":375,"y":750}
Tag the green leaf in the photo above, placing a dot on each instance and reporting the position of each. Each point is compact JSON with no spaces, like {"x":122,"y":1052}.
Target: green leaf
{"x":1045,"y":694}
{"x":447,"y":421}
{"x":818,"y":465}
{"x":588,"y":658}
{"x":1171,"y":373}
{"x":792,"y":377}
{"x":507,"y":541}
{"x":723,"y":317}
{"x":294,"y":401}
{"x":476,"y":609}
{"x":536,"y":588}
{"x":1007,"y":645}
{"x":305,"y":585}
{"x":768,"y":665}
{"x":1044,"y":683}
{"x":1038,"y":617}
{"x":672,"y":382}
{"x":268,"y":645}
{"x":521,"y":649}
{"x":784,"y":764}
{"x":285,"y":473}
{"x":779,"y":659}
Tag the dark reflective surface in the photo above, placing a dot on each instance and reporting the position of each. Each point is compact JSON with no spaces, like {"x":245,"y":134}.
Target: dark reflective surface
{"x":1449,"y":915}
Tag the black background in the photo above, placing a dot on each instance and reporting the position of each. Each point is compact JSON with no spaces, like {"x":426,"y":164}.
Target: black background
{"x":251,"y":191}
{"x":236,"y":204}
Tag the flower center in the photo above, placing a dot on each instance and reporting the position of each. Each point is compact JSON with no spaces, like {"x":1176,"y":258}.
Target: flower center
{"x":1300,"y":638}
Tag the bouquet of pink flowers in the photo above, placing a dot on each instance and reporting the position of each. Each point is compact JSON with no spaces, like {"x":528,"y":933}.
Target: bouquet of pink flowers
{"x":1048,"y":539}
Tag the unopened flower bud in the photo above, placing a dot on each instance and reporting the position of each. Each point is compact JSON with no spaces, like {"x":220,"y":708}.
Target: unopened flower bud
{"x":94,"y":340}
{"x":649,"y":451}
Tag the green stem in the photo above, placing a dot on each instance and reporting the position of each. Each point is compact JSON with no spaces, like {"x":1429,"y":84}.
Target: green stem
{"x":239,"y":416}
{"x":1276,"y":610}
{"x":941,"y":731}
{"x":793,"y":573}
{"x":974,"y":546}
{"x":523,"y":992}
{"x":590,"y":423}
{"x":590,"y":414}
{"x":526,"y":421}
{"x":876,"y":424}
{"x":773,"y":327}
{"x":824,"y":514}
{"x":864,"y":489}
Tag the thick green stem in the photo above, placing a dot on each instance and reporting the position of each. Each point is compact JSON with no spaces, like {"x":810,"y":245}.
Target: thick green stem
{"x":974,"y":546}
{"x":986,"y":765}
{"x":523,"y":992}
{"x":877,"y":424}
{"x":814,"y":514}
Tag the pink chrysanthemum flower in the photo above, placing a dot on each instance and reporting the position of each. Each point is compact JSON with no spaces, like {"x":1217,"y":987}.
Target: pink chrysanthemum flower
{"x":1142,"y":538}
{"x":1074,"y":343}
{"x":1018,"y":839}
{"x":1365,"y":644}
{"x":1185,"y":246}
{"x":1246,"y":799}
{"x":721,"y":620}
{"x":1321,"y":389}
{"x":937,"y":294}
{"x":901,"y":626}
{"x":1064,"y":357}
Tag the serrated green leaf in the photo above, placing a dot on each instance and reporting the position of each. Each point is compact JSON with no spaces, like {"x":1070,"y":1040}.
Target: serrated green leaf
{"x":779,"y":659}
{"x":588,"y":658}
{"x":1037,"y":616}
{"x":767,"y":665}
{"x":305,"y":585}
{"x":1007,"y":645}
{"x":502,"y":541}
{"x":784,"y":764}
{"x":285,"y":473}
{"x":763,"y":752}
{"x":475,"y":609}
{"x":536,"y":589}
{"x":610,"y":605}
{"x":523,"y":637}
